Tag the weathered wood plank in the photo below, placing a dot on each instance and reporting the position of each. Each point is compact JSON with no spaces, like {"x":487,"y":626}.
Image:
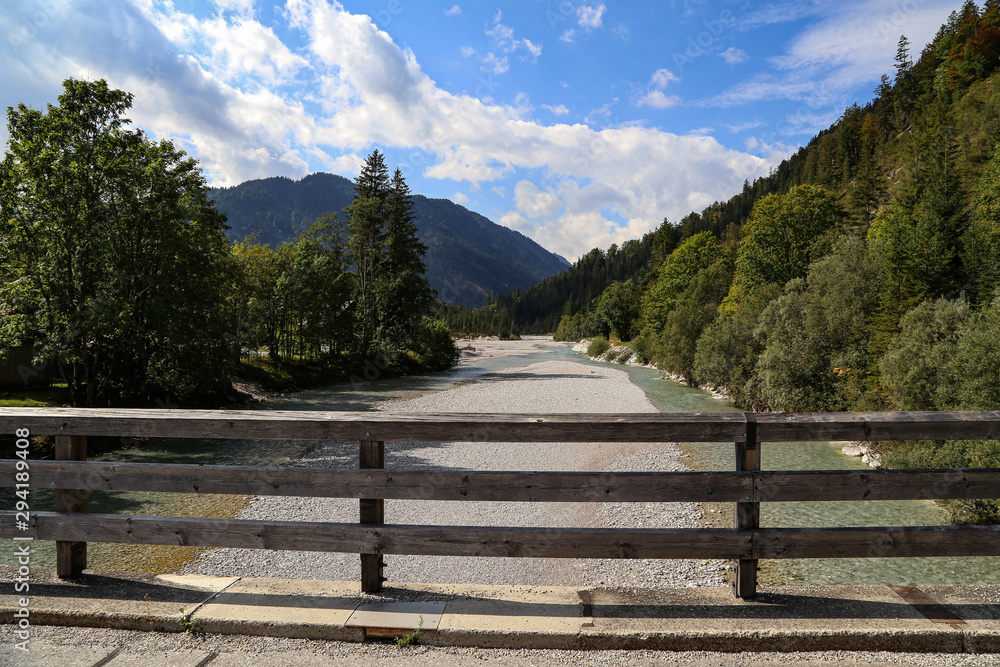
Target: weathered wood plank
{"x":771,"y":486}
{"x":746,"y":515}
{"x":841,"y":426}
{"x":823,"y":485}
{"x":429,"y":485}
{"x":388,"y":539}
{"x":371,"y":456}
{"x":71,"y":557}
{"x":356,"y":426}
{"x":892,"y":542}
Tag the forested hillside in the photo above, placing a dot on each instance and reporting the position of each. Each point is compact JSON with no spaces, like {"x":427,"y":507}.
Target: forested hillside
{"x":469,"y":258}
{"x":879,"y":225}
{"x":861,"y":274}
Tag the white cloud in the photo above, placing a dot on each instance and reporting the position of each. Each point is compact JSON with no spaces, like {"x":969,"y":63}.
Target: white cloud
{"x":662,"y":77}
{"x":558,"y":110}
{"x":569,"y":36}
{"x":460,"y":198}
{"x":535,"y":203}
{"x":586,"y":187}
{"x":242,"y":7}
{"x":495,"y":64}
{"x":734,"y":56}
{"x":591,"y":18}
{"x":847,"y":44}
{"x":747,"y":125}
{"x":657,"y":100}
{"x":503,"y":40}
{"x":348,"y":164}
{"x":454,"y":11}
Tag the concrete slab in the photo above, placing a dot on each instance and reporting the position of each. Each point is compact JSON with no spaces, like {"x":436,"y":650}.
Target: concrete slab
{"x":778,"y":619}
{"x":978,"y":608}
{"x":945,"y":619}
{"x":511,"y":616}
{"x":138,"y":602}
{"x":202,"y":581}
{"x":282,"y":608}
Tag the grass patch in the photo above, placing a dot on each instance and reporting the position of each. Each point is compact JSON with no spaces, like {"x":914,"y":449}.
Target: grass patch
{"x":35,"y":397}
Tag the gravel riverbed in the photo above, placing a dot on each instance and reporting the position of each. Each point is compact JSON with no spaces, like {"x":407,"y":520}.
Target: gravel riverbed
{"x":562,"y":386}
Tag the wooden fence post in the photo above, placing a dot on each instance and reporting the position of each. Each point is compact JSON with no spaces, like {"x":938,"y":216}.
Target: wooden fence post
{"x":71,"y":557}
{"x":371,"y":454}
{"x":747,"y":514}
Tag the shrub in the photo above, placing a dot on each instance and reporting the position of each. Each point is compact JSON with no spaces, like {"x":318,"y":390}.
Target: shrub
{"x":598,"y":346}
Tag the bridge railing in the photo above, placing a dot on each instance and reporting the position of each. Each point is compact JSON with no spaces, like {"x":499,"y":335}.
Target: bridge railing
{"x":746,"y":486}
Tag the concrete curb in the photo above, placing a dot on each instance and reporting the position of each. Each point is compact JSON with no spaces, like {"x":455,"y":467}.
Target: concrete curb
{"x":964,"y":619}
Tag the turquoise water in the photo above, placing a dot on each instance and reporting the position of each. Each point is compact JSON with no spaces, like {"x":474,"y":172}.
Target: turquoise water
{"x":670,"y":396}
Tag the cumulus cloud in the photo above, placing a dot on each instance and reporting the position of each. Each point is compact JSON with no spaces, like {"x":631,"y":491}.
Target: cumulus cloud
{"x":654,"y":96}
{"x":658,"y":100}
{"x":591,"y":18}
{"x":558,"y":110}
{"x":454,"y":11}
{"x":577,"y":187}
{"x":662,"y":77}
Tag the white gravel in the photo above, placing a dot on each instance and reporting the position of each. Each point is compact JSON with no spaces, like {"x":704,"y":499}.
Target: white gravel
{"x":543,"y":387}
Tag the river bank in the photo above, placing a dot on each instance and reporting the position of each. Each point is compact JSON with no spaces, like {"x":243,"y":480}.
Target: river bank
{"x":557,"y":386}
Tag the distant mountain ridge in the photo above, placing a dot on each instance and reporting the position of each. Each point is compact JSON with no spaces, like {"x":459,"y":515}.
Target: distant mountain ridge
{"x":469,"y":257}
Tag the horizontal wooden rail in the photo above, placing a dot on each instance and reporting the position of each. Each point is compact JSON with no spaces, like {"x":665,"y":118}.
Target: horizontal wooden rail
{"x":430,"y":427}
{"x":715,"y":543}
{"x":389,"y":539}
{"x":769,"y":486}
{"x":70,"y":526}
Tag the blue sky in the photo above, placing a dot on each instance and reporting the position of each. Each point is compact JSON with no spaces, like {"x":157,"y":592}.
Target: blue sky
{"x":579,"y":123}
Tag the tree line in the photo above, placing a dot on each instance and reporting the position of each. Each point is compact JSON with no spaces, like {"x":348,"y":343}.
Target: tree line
{"x":115,"y":269}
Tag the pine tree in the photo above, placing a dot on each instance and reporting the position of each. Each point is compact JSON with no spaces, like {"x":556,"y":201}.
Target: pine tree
{"x":366,"y":245}
{"x":404,"y":292}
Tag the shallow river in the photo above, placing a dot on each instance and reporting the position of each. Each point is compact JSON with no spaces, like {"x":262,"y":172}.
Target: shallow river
{"x":667,"y":395}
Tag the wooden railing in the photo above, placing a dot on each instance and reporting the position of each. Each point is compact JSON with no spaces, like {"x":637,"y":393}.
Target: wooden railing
{"x":747,"y":486}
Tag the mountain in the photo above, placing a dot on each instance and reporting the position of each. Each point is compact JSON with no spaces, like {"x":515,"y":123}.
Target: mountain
{"x":469,"y":257}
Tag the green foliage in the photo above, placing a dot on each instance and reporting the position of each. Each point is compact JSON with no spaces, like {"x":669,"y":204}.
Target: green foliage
{"x":434,"y":349}
{"x":618,"y":308}
{"x":981,"y":240}
{"x":114,"y":259}
{"x":676,"y":273}
{"x":783,"y":235}
{"x":814,"y":337}
{"x":727,"y":350}
{"x":598,"y":346}
{"x":696,"y":308}
{"x":916,"y":371}
{"x":411,"y":637}
{"x":977,"y":362}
